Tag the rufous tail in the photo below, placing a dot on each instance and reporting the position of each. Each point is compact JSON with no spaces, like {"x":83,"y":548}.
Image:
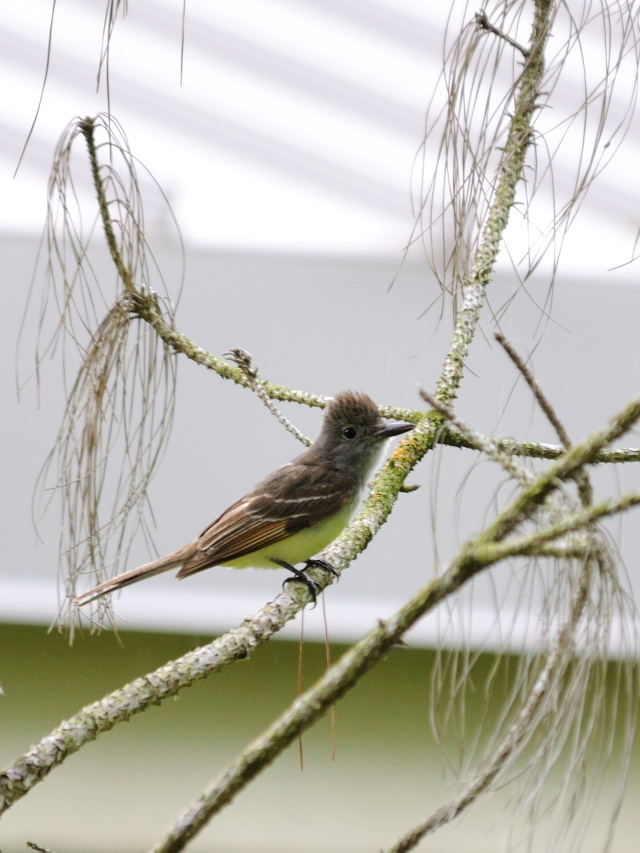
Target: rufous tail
{"x":171,"y":561}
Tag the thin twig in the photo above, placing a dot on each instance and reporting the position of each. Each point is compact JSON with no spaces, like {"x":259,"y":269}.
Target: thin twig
{"x":481,"y":442}
{"x":87,"y":128}
{"x":147,"y":309}
{"x":485,"y":24}
{"x":244,"y":361}
{"x":533,"y":543}
{"x":538,"y":393}
{"x":332,"y":709}
{"x":37,"y":847}
{"x":300,"y":673}
{"x":538,"y":450}
{"x":572,"y":461}
{"x":584,"y":486}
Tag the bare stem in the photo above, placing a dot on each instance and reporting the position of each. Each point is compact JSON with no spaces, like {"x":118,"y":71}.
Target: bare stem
{"x":481,"y":442}
{"x":537,"y":450}
{"x":584,"y":486}
{"x":37,"y":847}
{"x":538,"y":393}
{"x":485,"y":24}
{"x":87,"y":128}
{"x":244,"y":361}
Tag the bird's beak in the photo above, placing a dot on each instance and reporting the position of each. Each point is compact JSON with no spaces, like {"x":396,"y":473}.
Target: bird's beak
{"x":390,"y":430}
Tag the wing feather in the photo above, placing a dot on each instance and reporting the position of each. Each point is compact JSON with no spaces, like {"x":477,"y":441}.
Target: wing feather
{"x":291,"y":499}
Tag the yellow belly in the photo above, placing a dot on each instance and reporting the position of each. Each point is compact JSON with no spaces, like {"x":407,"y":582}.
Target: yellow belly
{"x":299,"y":547}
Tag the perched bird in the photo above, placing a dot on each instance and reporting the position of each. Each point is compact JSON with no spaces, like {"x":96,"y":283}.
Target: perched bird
{"x":293,"y":513}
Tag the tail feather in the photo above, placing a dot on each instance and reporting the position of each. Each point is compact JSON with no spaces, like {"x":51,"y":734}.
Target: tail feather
{"x":148,"y":570}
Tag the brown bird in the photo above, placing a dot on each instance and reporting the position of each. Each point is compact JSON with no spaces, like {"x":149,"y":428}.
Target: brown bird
{"x":293,"y":513}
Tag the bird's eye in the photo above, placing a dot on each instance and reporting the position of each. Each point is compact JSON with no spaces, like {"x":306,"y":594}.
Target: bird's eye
{"x":349,"y":432}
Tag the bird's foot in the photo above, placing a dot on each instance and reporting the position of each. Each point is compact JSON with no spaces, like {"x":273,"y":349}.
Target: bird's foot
{"x":321,"y":564}
{"x":299,"y":575}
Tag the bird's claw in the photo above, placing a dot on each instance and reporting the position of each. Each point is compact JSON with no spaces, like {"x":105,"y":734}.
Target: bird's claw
{"x":321,"y":564}
{"x":299,"y":575}
{"x":312,"y":586}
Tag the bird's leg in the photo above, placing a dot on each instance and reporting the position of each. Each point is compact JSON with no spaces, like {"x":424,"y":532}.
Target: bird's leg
{"x":312,"y":586}
{"x":321,"y":564}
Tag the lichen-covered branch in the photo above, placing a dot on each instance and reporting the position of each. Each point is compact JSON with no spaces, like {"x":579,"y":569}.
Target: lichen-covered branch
{"x":564,"y":468}
{"x":532,"y":545}
{"x":87,"y":128}
{"x":537,"y":450}
{"x":508,"y":178}
{"x":150,"y":689}
{"x":477,"y":555}
{"x":148,"y":309}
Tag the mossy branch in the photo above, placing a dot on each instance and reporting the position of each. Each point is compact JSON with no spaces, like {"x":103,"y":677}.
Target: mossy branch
{"x":120,"y":705}
{"x":537,"y":450}
{"x":87,"y":128}
{"x":508,"y":178}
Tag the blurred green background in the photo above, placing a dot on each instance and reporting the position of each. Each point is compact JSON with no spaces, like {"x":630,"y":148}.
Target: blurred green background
{"x":123,"y":791}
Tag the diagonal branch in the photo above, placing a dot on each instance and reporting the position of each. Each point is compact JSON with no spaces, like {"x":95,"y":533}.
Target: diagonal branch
{"x":556,"y":661}
{"x":489,"y":446}
{"x":565,"y":468}
{"x":584,"y":486}
{"x":533,"y":544}
{"x":485,"y":24}
{"x":244,"y":361}
{"x":538,"y":393}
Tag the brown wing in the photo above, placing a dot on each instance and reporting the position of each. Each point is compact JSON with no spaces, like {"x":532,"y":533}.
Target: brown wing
{"x":292,"y":498}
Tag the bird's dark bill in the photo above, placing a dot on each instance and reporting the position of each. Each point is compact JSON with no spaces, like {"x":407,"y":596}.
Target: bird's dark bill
{"x":394,"y":429}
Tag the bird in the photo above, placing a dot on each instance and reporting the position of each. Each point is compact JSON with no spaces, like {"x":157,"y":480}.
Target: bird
{"x":293,"y":513}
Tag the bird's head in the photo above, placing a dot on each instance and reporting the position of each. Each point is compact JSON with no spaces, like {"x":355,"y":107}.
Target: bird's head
{"x":353,"y":433}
